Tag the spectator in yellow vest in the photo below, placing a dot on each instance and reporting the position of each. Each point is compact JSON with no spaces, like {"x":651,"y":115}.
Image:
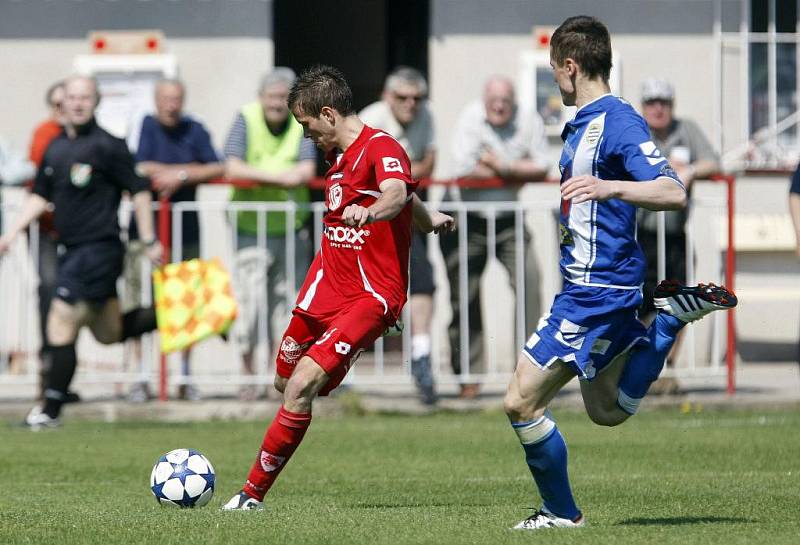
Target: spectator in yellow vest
{"x":266,"y":145}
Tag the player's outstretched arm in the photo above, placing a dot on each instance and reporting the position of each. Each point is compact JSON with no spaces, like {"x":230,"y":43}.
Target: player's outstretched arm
{"x":663,"y":193}
{"x":34,"y":207}
{"x":430,"y":222}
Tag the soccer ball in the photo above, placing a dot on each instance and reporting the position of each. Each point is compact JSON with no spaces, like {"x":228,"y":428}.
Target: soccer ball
{"x":182,"y":478}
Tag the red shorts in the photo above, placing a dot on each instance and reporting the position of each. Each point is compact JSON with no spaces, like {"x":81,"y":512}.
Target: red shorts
{"x":333,"y":343}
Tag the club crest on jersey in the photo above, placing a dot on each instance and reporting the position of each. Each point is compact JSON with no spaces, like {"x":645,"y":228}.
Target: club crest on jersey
{"x":593,"y":133}
{"x":80,"y":174}
{"x":334,"y":196}
{"x":390,"y":164}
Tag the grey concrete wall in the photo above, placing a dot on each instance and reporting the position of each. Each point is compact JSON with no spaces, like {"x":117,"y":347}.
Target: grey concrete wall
{"x":460,"y":63}
{"x":626,"y":16}
{"x":220,"y":75}
{"x":222,"y":48}
{"x":65,"y":19}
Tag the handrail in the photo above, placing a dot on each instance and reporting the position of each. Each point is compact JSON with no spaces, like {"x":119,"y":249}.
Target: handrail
{"x":467,"y":183}
{"x":164,"y":216}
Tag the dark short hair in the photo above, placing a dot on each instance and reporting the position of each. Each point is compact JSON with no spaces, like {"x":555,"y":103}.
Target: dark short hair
{"x":585,"y":40}
{"x":321,"y":86}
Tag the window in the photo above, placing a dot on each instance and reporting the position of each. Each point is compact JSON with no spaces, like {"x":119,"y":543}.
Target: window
{"x":773,"y":73}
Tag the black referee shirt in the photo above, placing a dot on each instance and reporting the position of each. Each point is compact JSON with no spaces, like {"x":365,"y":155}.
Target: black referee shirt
{"x":84,"y":178}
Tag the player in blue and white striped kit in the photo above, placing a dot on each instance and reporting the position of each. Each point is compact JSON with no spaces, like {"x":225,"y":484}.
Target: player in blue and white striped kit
{"x":609,"y":166}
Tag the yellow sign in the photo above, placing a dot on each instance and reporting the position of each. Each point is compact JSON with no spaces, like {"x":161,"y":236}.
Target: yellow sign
{"x":193,"y":301}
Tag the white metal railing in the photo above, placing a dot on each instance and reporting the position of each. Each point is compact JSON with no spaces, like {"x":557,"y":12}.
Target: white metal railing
{"x":215,"y":365}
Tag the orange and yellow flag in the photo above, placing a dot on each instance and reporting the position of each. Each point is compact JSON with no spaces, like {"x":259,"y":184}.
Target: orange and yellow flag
{"x":193,"y":301}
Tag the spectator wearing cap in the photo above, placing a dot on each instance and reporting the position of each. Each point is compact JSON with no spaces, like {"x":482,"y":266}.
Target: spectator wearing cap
{"x":266,"y":145}
{"x":691,"y":155}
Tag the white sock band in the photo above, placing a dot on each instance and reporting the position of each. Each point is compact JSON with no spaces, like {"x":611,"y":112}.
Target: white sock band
{"x":627,"y":403}
{"x":534,"y":431}
{"x":420,"y":346}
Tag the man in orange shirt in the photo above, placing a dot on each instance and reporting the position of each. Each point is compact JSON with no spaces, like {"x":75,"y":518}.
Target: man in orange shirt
{"x":47,"y":261}
{"x":50,"y":127}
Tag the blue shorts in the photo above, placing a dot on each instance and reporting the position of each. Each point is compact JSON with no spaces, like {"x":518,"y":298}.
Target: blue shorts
{"x":586,"y":328}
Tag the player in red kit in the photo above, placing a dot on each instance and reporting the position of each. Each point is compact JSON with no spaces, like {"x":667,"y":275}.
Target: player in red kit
{"x":357,"y":284}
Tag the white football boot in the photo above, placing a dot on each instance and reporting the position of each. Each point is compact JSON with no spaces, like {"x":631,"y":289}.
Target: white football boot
{"x":690,"y":303}
{"x":545,"y":519}
{"x":243,"y":502}
{"x":37,"y":420}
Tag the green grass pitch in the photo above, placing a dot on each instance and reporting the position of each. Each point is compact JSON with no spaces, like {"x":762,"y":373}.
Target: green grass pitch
{"x":664,"y":477}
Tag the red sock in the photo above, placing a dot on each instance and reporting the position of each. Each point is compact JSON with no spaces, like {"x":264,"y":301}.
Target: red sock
{"x":282,"y":438}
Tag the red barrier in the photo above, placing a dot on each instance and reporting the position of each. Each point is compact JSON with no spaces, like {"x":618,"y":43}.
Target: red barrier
{"x":730,"y":274}
{"x":319,"y":183}
{"x":164,"y":235}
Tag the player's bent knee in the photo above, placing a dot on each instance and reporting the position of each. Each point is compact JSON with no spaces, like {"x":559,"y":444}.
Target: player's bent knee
{"x":107,"y":336}
{"x":512,"y":404}
{"x":61,"y":332}
{"x":519,"y":409}
{"x":306,"y":381}
{"x":607,"y":417}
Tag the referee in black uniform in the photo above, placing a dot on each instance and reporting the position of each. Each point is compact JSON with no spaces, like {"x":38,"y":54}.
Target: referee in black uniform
{"x":84,"y":173}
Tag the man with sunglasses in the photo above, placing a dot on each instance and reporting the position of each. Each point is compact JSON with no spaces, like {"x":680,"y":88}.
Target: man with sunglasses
{"x":403,"y":112}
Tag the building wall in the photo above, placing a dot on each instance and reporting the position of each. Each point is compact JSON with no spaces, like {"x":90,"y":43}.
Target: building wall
{"x":222,"y":49}
{"x":214,"y":94}
{"x":667,"y":43}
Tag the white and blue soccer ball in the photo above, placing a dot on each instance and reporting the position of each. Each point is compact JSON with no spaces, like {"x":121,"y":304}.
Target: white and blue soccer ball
{"x":182,"y":478}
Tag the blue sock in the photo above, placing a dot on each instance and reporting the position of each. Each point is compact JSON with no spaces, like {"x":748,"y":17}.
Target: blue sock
{"x":646,"y":364}
{"x":546,"y":454}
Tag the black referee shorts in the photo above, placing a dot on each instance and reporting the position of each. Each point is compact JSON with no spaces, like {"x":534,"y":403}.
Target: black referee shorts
{"x":89,"y":271}
{"x":421,"y":271}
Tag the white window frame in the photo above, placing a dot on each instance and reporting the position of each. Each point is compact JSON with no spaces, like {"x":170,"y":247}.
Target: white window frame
{"x":742,"y":40}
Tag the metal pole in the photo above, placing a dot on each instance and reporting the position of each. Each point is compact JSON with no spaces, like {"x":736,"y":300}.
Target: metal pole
{"x":463,"y":293}
{"x":164,"y":237}
{"x":730,"y":271}
{"x":772,"y":76}
{"x":661,"y":245}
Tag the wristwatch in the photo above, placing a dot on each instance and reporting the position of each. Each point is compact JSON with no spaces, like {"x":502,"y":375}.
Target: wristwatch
{"x":151,"y":242}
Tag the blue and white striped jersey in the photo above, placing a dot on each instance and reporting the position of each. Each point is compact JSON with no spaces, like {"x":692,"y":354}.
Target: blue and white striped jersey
{"x":610,"y":140}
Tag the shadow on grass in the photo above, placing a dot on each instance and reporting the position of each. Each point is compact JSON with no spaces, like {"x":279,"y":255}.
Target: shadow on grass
{"x":679,"y":521}
{"x":415,"y":505}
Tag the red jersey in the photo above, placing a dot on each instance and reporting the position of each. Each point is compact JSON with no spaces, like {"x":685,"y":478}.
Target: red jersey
{"x":370,"y":261}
